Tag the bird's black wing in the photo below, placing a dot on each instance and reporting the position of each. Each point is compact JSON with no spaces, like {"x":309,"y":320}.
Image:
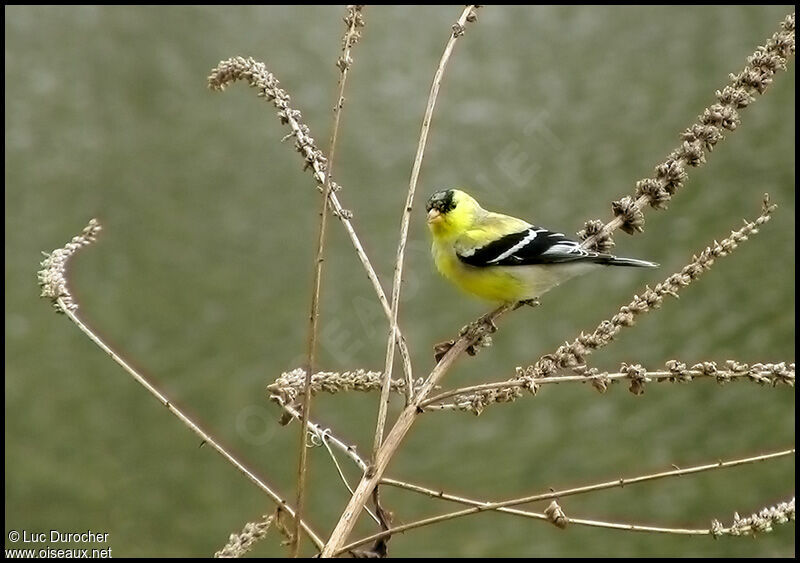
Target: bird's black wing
{"x":528,"y":247}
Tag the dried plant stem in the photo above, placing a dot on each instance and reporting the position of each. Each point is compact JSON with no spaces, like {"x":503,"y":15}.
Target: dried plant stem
{"x":772,"y":374}
{"x":699,"y":139}
{"x":564,"y":493}
{"x":541,"y":516}
{"x":458,"y":31}
{"x":354,"y":20}
{"x":188,"y":422}
{"x":332,"y":455}
{"x":395,"y":436}
{"x":257,"y":76}
{"x":52,"y":279}
{"x":289,"y":386}
{"x":326,"y":438}
{"x":324,"y":435}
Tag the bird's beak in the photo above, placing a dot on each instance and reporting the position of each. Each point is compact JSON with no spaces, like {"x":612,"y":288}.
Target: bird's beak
{"x":434,"y":216}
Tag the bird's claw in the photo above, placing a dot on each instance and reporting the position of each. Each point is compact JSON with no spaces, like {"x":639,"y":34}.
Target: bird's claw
{"x":442,"y":348}
{"x":477,"y":331}
{"x":529,"y":302}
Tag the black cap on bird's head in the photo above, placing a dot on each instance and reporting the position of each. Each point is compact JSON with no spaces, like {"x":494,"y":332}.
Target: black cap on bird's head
{"x":451,"y":212}
{"x":442,"y":201}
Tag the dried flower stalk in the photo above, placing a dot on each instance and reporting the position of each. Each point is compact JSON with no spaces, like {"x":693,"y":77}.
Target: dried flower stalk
{"x":760,"y":522}
{"x":52,"y":276}
{"x":698,"y":140}
{"x":54,"y":287}
{"x":384,"y":450}
{"x":289,"y":385}
{"x":469,"y":14}
{"x":239,"y":544}
{"x":324,"y":437}
{"x":565,"y":493}
{"x":574,"y":354}
{"x":257,"y":76}
{"x":476,"y":397}
{"x":353,"y":20}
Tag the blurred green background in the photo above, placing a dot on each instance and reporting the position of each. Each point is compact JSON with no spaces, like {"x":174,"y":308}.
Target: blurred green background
{"x":202,"y":275}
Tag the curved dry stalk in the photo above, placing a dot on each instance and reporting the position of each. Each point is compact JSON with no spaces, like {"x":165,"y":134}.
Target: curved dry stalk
{"x":401,"y":427}
{"x":699,"y":139}
{"x":54,"y":286}
{"x":564,"y":493}
{"x":257,"y":76}
{"x":469,"y":14}
{"x":467,"y":398}
{"x":354,"y":20}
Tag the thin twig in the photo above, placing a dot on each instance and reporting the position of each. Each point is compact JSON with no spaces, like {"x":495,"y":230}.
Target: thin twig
{"x":541,"y":516}
{"x":564,"y":493}
{"x":325,"y":437}
{"x":257,"y":76}
{"x":205,"y":437}
{"x":52,"y":279}
{"x":319,"y":431}
{"x":458,"y":31}
{"x":698,"y":140}
{"x":395,"y":436}
{"x":324,"y":440}
{"x":353,"y":20}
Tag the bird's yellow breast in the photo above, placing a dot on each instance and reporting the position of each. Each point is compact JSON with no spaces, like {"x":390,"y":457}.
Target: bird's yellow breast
{"x":493,"y":284}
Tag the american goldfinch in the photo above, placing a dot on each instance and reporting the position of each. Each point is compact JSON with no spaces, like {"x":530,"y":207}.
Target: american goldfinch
{"x":502,"y":258}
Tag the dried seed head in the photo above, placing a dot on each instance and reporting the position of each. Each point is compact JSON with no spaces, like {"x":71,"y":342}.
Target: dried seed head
{"x":602,"y":241}
{"x":52,"y":276}
{"x":239,"y":544}
{"x":632,"y":217}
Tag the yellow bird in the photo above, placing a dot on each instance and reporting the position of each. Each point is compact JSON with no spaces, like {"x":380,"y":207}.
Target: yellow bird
{"x":501,"y":258}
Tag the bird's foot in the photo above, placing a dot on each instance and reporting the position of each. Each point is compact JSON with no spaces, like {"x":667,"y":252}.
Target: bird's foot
{"x":529,"y":302}
{"x":442,"y":348}
{"x":484,"y":324}
{"x":478,"y":332}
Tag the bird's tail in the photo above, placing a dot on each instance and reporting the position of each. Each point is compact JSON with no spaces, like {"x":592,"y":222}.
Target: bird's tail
{"x":609,"y":260}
